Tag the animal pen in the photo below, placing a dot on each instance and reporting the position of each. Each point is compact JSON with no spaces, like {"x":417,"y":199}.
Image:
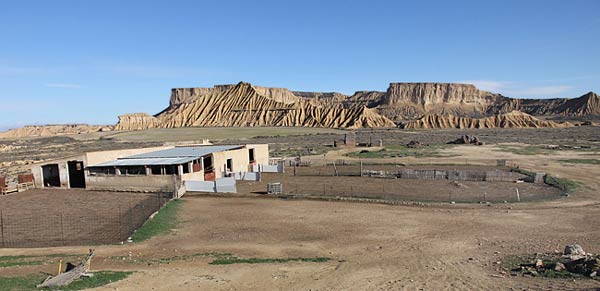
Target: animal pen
{"x":48,"y":218}
{"x":419,"y":183}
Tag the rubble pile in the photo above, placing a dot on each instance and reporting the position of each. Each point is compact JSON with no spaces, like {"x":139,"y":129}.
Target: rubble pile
{"x":573,"y":262}
{"x":467,"y":139}
{"x":413,"y":144}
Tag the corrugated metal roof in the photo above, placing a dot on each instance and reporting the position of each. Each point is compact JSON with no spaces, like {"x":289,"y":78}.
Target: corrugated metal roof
{"x":178,"y":152}
{"x":173,"y":156}
{"x":145,"y":162}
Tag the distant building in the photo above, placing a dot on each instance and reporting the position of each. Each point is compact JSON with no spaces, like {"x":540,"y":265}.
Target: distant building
{"x":348,"y":141}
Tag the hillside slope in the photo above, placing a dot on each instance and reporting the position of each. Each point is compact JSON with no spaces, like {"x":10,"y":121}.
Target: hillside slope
{"x":514,"y":119}
{"x":247,"y":105}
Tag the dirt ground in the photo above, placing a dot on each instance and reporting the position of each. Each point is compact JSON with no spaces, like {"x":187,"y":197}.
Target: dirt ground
{"x":306,"y":182}
{"x":372,"y":246}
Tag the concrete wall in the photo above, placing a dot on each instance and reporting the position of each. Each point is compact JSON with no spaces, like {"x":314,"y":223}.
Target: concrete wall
{"x":261,"y":153}
{"x":131,"y":183}
{"x":63,"y":170}
{"x":222,"y":185}
{"x":198,"y":176}
{"x":88,"y":159}
{"x":240,"y":157}
{"x":246,"y":176}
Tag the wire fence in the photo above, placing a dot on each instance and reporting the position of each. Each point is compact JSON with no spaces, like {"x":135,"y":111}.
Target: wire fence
{"x":433,"y":190}
{"x":109,"y":223}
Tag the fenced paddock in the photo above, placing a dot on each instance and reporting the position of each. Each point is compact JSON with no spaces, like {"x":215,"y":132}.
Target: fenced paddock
{"x":48,"y":217}
{"x":434,"y":183}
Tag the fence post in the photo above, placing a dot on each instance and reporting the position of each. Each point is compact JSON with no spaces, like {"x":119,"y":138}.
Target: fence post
{"x":2,"y":226}
{"x":157,"y":201}
{"x":62,"y":229}
{"x":361,"y":168}
{"x":120,"y":223}
{"x":130,"y":225}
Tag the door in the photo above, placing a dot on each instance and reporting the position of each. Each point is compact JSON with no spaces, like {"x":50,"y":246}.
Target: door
{"x":50,"y":175}
{"x":76,"y":174}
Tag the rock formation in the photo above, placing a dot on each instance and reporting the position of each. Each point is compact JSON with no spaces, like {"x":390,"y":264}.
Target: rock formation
{"x":408,"y":105}
{"x":51,"y":130}
{"x":248,"y":105}
{"x":514,"y":119}
{"x":137,"y":121}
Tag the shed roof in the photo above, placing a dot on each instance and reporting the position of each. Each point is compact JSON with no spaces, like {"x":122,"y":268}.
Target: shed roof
{"x":172,"y":156}
{"x":178,"y":152}
{"x":145,"y":162}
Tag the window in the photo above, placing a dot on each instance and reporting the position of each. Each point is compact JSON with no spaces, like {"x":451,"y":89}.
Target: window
{"x":133,"y":170}
{"x":229,"y":165}
{"x":102,"y":171}
{"x":171,"y":170}
{"x":251,"y":155}
{"x":186,"y":168}
{"x":156,"y":170}
{"x":208,"y":164}
{"x":197,"y":166}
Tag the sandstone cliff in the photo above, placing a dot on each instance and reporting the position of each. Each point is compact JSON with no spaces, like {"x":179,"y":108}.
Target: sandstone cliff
{"x":52,"y":130}
{"x":248,"y":105}
{"x":409,"y":101}
{"x":514,"y":119}
{"x":188,"y":95}
{"x":137,"y":121}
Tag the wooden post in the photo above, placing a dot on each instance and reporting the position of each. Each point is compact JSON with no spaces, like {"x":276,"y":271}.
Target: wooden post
{"x":518,"y":195}
{"x":361,"y":168}
{"x":59,"y":267}
{"x":62,"y":229}
{"x":120,"y":223}
{"x":2,"y":227}
{"x":335,"y":169}
{"x":484,"y":196}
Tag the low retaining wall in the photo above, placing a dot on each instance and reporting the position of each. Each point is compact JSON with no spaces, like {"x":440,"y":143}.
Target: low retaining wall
{"x":142,"y":183}
{"x":247,"y":176}
{"x":221,"y":185}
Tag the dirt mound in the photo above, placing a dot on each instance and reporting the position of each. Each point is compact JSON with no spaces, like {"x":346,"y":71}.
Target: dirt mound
{"x":514,"y":119}
{"x":414,"y":144}
{"x":51,"y":130}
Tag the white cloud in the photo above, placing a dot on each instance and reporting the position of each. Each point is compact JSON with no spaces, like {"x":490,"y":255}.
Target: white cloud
{"x":517,"y":89}
{"x":63,"y":85}
{"x":487,"y":85}
{"x":152,"y":71}
{"x":540,"y":91}
{"x":11,"y":71}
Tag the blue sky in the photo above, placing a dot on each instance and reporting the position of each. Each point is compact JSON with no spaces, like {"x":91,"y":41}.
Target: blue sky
{"x":89,"y":61}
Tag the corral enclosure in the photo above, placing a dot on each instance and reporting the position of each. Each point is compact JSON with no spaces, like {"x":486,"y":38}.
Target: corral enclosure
{"x":41,"y":218}
{"x":321,"y":181}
